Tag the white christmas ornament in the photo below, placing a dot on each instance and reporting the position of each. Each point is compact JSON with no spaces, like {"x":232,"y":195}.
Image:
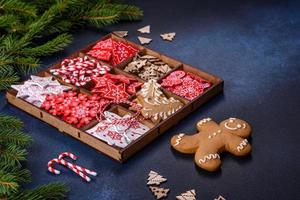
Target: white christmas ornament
{"x":35,"y":90}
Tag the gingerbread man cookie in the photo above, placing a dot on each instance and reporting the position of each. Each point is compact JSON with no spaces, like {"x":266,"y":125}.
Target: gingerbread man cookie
{"x":230,"y":135}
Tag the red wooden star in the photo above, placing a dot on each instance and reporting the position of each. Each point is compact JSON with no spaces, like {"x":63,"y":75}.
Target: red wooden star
{"x":116,"y":92}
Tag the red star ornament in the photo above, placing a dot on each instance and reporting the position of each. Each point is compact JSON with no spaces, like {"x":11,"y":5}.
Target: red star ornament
{"x":132,"y":88}
{"x":116,"y":92}
{"x":119,"y":78}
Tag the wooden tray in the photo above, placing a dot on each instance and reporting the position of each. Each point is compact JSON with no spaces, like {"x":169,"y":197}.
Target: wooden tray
{"x":122,"y":154}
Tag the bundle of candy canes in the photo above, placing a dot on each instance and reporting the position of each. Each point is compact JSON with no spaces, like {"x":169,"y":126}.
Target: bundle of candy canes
{"x":74,"y":108}
{"x":81,"y":171}
{"x":112,"y":51}
{"x":78,"y":71}
{"x":185,"y":84}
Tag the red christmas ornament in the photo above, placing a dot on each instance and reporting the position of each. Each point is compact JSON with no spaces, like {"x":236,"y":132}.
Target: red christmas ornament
{"x":186,"y":85}
{"x":80,"y":70}
{"x":111,"y":83}
{"x":132,"y":88}
{"x":112,"y":51}
{"x":100,"y":54}
{"x":116,"y":92}
{"x":78,"y":109}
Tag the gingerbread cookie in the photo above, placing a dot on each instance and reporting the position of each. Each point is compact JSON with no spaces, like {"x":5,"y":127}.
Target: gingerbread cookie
{"x":155,"y":105}
{"x":230,"y":135}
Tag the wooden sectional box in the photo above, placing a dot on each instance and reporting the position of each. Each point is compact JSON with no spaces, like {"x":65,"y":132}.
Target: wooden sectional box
{"x":122,"y":154}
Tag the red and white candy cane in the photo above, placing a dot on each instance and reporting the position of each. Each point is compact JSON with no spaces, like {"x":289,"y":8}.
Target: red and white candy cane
{"x":50,"y":166}
{"x":70,"y":165}
{"x":55,"y":171}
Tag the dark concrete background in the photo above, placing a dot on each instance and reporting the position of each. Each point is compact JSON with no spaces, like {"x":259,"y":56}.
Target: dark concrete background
{"x":254,"y":46}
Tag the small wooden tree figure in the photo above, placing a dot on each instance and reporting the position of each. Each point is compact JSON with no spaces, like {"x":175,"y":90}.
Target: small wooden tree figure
{"x":188,"y":195}
{"x":220,"y":198}
{"x":159,"y":192}
{"x":155,"y":179}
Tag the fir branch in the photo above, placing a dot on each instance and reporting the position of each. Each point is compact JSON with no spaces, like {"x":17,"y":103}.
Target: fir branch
{"x":102,"y":17}
{"x":8,"y":184}
{"x":11,"y":178}
{"x":14,"y":137}
{"x":59,"y":27}
{"x":54,"y":45}
{"x":7,"y":78}
{"x":127,"y":12}
{"x":12,"y":155}
{"x":26,"y":65}
{"x":19,"y":7}
{"x":10,"y":123}
{"x":20,"y":175}
{"x":7,"y":21}
{"x":54,"y":191}
{"x":46,"y":18}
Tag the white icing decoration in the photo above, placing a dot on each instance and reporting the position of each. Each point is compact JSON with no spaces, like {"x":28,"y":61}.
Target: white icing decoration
{"x":244,"y":126}
{"x":179,"y":137}
{"x":238,"y":126}
{"x":242,"y":145}
{"x":204,"y":121}
{"x":209,"y":157}
{"x":214,"y":134}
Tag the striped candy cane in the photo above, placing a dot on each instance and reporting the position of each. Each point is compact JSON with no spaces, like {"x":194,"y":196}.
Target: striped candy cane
{"x":67,"y":154}
{"x":80,"y":173}
{"x":50,"y":166}
{"x":70,"y":165}
{"x":55,"y":171}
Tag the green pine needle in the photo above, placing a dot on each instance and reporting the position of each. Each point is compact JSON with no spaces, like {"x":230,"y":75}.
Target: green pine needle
{"x":8,"y":21}
{"x":127,"y":12}
{"x":21,"y":175}
{"x":10,"y":123}
{"x":102,"y":17}
{"x":54,"y":45}
{"x":7,"y":78}
{"x":54,"y":191}
{"x":19,"y":7}
{"x":8,"y":184}
{"x":12,"y":155}
{"x":14,"y":137}
{"x":26,"y":65}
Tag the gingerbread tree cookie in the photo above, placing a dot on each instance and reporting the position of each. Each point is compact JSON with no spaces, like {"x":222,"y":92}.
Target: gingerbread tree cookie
{"x":230,"y":135}
{"x":159,"y":192}
{"x":188,"y":195}
{"x":155,"y":178}
{"x":155,"y":105}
